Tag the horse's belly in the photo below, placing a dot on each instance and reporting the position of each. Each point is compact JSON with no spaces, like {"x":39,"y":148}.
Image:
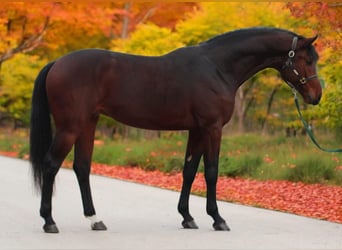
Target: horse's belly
{"x":150,"y":119}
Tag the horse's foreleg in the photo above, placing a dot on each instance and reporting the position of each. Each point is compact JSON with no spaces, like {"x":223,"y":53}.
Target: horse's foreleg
{"x":82,"y":162}
{"x":211,"y":156}
{"x":192,"y":158}
{"x":60,"y":147}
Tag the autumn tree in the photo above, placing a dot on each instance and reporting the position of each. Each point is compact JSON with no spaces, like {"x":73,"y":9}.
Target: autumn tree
{"x":87,"y":25}
{"x":17,"y":79}
{"x":325,"y":18}
{"x":26,"y":27}
{"x":22,"y":27}
{"x":65,"y":26}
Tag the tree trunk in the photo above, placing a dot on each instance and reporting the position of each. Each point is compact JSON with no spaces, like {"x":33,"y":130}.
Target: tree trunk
{"x":239,"y":109}
{"x":125,"y":24}
{"x":269,"y":106}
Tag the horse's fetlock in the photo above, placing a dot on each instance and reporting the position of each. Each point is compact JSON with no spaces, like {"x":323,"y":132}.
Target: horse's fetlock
{"x":182,"y":208}
{"x":212,"y":211}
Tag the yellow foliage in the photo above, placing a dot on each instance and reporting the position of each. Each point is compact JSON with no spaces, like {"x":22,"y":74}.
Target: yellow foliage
{"x":149,"y":39}
{"x":216,"y":18}
{"x":16,"y":84}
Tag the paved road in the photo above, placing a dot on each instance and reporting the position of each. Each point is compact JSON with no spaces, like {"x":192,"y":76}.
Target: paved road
{"x":141,"y":217}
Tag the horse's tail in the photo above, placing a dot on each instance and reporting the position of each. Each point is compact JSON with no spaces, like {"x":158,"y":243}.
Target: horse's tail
{"x":40,"y":132}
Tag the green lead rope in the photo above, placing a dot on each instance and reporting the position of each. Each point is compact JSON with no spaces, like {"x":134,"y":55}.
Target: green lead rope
{"x":309,"y":129}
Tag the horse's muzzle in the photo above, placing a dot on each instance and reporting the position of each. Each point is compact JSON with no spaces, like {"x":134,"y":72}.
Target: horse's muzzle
{"x":314,"y":100}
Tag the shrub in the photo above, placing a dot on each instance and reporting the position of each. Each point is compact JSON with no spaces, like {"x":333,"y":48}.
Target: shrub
{"x":245,"y":165}
{"x":312,"y":169}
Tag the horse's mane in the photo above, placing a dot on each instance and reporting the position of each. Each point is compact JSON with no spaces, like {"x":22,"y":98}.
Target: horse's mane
{"x":241,"y":33}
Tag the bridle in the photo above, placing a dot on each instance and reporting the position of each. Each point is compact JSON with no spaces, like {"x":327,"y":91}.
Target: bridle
{"x":303,"y":80}
{"x":289,"y":64}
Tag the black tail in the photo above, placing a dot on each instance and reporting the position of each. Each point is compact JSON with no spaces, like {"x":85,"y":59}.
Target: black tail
{"x":40,"y":133}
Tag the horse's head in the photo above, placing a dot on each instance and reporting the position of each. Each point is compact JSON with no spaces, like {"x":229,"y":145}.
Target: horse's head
{"x":299,"y":69}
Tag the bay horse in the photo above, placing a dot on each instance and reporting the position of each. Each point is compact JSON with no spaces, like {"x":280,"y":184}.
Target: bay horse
{"x":191,"y":88}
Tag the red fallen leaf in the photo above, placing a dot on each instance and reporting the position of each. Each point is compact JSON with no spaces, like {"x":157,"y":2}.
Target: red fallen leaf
{"x":312,"y":200}
{"x":9,"y":154}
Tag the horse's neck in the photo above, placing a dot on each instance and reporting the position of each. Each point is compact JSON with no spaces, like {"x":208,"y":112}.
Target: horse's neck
{"x":248,"y":66}
{"x":239,"y":62}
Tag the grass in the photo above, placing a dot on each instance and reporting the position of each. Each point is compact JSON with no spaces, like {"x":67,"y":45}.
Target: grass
{"x":313,"y":169}
{"x":248,"y":155}
{"x":247,"y":165}
{"x":14,"y":141}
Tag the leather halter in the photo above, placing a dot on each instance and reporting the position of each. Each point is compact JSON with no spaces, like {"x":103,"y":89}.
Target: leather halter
{"x":289,"y":64}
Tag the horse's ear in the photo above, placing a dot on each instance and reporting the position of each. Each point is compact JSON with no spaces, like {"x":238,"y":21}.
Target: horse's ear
{"x":308,"y":41}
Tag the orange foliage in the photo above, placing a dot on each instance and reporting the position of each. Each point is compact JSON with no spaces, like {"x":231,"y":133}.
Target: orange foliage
{"x":324,"y":17}
{"x":164,"y":14}
{"x":23,"y":25}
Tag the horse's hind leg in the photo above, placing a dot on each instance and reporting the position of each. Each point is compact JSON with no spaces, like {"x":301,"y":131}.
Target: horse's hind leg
{"x":82,"y":162}
{"x":60,"y":147}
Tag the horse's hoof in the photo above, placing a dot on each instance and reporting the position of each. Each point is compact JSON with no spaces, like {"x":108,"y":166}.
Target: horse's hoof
{"x":99,"y":226}
{"x":51,"y":229}
{"x":189,"y":224}
{"x":222,"y":226}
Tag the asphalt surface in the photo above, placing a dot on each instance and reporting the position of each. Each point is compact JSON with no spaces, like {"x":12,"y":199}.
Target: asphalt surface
{"x":142,"y":217}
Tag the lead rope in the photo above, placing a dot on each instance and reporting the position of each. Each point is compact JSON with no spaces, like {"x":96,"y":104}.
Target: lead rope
{"x":309,"y":129}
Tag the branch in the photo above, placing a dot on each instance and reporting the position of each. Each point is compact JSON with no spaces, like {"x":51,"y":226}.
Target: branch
{"x":27,"y":44}
{"x":335,"y":5}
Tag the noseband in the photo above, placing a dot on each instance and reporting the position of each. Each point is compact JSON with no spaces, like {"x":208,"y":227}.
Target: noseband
{"x":289,"y":64}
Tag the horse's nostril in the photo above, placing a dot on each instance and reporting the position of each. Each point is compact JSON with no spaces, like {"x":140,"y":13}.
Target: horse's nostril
{"x":315,"y":101}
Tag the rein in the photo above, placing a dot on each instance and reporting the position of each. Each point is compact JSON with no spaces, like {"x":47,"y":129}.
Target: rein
{"x":308,"y":128}
{"x":303,"y":80}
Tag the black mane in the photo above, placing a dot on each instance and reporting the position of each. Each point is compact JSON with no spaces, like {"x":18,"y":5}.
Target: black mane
{"x":241,"y":33}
